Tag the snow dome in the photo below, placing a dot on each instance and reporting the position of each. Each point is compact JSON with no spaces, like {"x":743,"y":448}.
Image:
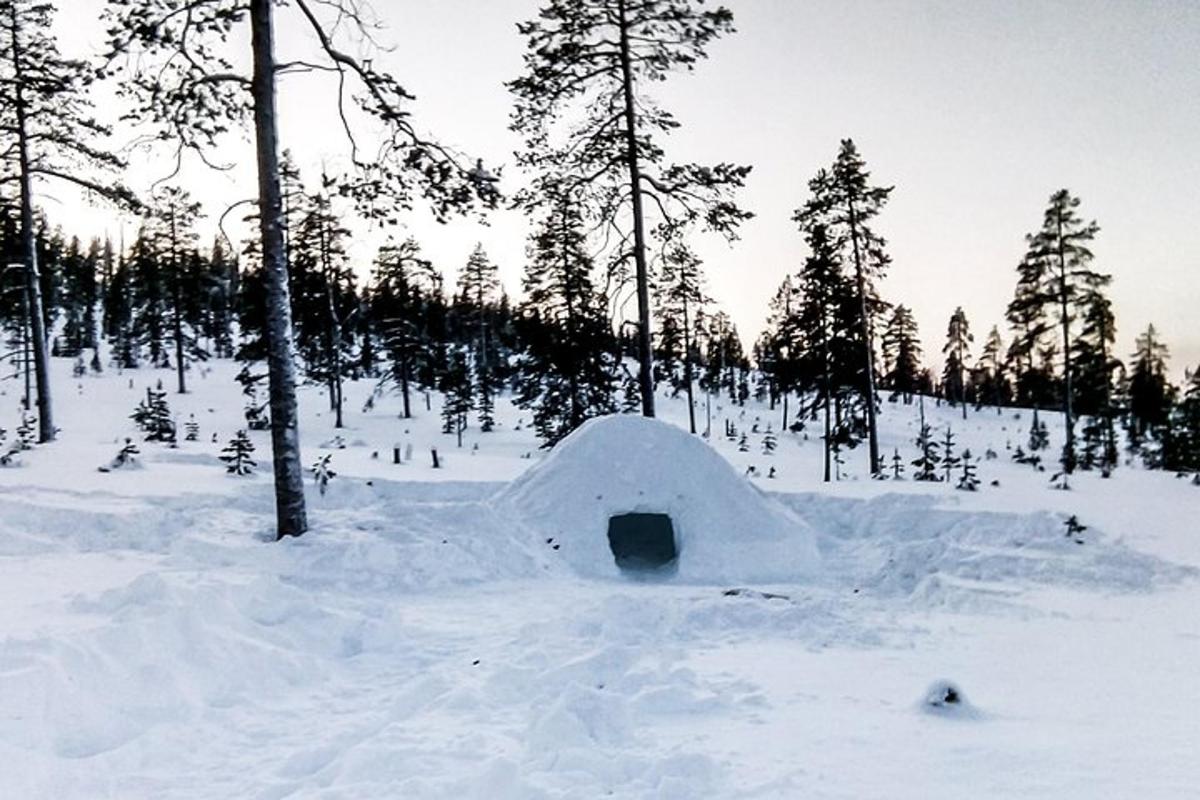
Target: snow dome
{"x":625,"y":491}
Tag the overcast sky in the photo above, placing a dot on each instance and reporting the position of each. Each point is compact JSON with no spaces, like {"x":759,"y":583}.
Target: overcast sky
{"x":975,"y":111}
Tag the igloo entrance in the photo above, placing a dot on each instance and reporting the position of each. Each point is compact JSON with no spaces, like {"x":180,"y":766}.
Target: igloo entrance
{"x":642,"y":542}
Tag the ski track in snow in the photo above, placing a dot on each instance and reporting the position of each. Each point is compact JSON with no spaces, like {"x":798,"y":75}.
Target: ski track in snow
{"x":424,"y":641}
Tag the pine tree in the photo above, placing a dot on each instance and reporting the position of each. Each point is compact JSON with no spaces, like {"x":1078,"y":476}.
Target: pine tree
{"x":50,"y":133}
{"x":897,"y":466}
{"x":844,"y":201}
{"x":769,"y":442}
{"x":1056,"y":282}
{"x":957,"y":351}
{"x":236,"y":455}
{"x":180,"y":77}
{"x":191,"y":429}
{"x":680,"y":311}
{"x":589,"y":62}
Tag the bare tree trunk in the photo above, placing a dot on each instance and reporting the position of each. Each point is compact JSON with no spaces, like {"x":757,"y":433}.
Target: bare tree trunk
{"x":292,"y":520}
{"x":33,"y":281}
{"x":645,"y":355}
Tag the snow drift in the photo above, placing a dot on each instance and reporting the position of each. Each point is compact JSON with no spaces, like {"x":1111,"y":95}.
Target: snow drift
{"x":725,"y":528}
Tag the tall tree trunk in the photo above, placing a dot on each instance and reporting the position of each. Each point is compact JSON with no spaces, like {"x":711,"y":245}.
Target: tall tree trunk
{"x":645,"y":355}
{"x":1064,"y":300}
{"x":861,"y":280}
{"x":687,"y":369}
{"x":292,"y":519}
{"x":177,"y":301}
{"x":33,"y":280}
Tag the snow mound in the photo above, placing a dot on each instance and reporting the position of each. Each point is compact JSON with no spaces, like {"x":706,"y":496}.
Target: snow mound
{"x":725,"y":528}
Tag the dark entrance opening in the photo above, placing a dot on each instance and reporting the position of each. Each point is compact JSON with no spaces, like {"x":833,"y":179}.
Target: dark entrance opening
{"x":643,"y":542}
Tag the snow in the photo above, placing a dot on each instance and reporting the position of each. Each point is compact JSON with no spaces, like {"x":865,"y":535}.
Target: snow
{"x":424,"y":641}
{"x":728,"y":531}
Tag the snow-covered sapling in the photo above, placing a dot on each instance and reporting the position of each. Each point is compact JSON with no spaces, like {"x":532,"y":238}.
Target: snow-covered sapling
{"x":322,"y":473}
{"x":769,"y":442}
{"x":1074,"y":528}
{"x":897,"y":465}
{"x":949,"y":460}
{"x":743,"y":444}
{"x":191,"y":429}
{"x":26,"y":432}
{"x":968,"y":481}
{"x":926,"y":463}
{"x":127,"y":456}
{"x":236,"y":455}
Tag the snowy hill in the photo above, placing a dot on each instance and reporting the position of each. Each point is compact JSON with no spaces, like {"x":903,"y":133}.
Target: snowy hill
{"x":425,"y":640}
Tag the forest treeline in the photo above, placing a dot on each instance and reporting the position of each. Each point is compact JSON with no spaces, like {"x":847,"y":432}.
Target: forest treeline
{"x":612,"y":219}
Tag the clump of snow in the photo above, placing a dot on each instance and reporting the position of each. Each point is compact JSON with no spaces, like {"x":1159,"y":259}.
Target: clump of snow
{"x":725,"y":528}
{"x":945,"y":699}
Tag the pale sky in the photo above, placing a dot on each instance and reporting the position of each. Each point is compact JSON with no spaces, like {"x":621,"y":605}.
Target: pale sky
{"x":975,"y":111}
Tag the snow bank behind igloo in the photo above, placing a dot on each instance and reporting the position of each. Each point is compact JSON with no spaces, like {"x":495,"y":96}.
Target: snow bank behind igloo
{"x":725,"y":528}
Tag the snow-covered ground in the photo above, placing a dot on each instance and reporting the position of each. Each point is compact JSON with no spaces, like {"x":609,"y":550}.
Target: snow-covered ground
{"x":432,"y":637}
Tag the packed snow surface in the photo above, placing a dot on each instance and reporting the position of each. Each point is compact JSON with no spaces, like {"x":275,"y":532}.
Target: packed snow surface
{"x":726,"y":529}
{"x":425,"y":640}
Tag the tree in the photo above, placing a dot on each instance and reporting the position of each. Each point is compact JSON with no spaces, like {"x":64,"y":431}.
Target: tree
{"x":323,"y":293}
{"x":405,"y":284}
{"x":901,"y":349}
{"x":1095,"y":367}
{"x":174,"y":221}
{"x":956,"y":350}
{"x":680,"y":313}
{"x":585,"y":120}
{"x":181,"y":79}
{"x":989,"y":378}
{"x":48,"y":132}
{"x":1150,"y":392}
{"x":1055,"y":281}
{"x":478,"y":284}
{"x":567,"y":373}
{"x":236,"y":455}
{"x":844,"y":201}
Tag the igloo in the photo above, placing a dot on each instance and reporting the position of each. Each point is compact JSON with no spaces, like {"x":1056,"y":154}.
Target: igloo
{"x":629,"y":495}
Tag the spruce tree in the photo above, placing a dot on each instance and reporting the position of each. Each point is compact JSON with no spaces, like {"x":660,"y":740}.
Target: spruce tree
{"x":1150,"y":393}
{"x":405,"y":288}
{"x":949,"y":460}
{"x":582,"y":109}
{"x":478,"y":285}
{"x":566,"y":374}
{"x":236,"y":455}
{"x":968,"y":480}
{"x":957,"y":351}
{"x":900,"y":345}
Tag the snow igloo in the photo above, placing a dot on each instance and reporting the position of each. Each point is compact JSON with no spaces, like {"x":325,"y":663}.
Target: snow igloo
{"x":627,"y":495}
